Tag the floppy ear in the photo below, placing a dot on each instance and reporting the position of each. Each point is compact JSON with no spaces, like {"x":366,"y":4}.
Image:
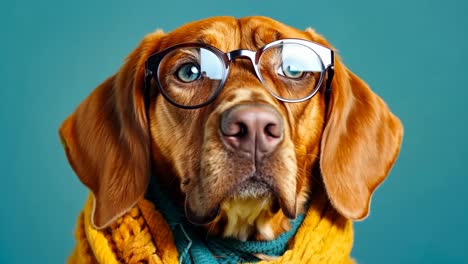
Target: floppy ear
{"x":107,"y":138}
{"x":360,"y":143}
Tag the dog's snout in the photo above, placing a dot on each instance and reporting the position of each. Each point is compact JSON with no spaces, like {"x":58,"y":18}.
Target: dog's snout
{"x":252,"y":129}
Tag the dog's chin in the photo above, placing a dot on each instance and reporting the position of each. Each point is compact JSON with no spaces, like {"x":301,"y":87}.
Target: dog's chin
{"x":253,"y":191}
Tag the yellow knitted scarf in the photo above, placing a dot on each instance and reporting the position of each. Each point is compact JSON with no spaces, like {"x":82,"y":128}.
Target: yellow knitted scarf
{"x":143,"y":236}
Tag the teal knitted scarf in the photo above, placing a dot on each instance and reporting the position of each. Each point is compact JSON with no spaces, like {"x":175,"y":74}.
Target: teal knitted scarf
{"x":195,"y":247}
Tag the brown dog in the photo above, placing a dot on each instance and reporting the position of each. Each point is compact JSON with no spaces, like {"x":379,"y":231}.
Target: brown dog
{"x":241,"y":160}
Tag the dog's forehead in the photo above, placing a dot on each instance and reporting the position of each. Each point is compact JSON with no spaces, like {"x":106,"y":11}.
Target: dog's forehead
{"x":258,"y":31}
{"x":220,"y":32}
{"x":229,"y":33}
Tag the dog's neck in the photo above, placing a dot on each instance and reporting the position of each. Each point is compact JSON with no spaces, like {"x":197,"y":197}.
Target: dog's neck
{"x":184,"y":231}
{"x":192,"y":243}
{"x":242,"y":219}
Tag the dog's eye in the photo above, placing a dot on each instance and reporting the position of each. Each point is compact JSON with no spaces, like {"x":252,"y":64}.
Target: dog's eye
{"x":290,"y":71}
{"x":188,"y":72}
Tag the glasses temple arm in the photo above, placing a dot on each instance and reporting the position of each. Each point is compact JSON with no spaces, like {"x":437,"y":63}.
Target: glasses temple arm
{"x":328,"y":88}
{"x":147,"y":90}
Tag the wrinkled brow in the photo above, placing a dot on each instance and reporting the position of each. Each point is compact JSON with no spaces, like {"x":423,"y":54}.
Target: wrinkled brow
{"x":224,"y":38}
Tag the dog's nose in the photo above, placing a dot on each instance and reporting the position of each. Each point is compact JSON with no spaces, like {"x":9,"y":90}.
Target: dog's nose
{"x":252,"y":129}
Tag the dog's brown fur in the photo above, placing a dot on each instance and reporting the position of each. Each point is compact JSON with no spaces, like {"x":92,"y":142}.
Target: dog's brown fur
{"x":111,"y":147}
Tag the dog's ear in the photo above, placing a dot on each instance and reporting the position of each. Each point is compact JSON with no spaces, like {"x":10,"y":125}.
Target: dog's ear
{"x":107,"y":138}
{"x":360,"y":143}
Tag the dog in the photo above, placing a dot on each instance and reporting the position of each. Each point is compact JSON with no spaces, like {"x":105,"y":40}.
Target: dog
{"x":242,"y":120}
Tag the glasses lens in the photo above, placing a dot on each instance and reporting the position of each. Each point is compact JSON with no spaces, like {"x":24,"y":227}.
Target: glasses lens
{"x":291,"y":71}
{"x":190,"y":76}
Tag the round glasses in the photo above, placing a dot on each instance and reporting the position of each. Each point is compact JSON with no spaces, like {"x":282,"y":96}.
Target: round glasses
{"x":191,"y":75}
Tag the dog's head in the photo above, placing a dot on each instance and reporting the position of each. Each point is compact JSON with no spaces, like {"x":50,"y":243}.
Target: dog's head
{"x":238,"y":132}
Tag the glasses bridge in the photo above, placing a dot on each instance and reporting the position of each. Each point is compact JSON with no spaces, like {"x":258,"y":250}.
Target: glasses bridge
{"x":241,"y":53}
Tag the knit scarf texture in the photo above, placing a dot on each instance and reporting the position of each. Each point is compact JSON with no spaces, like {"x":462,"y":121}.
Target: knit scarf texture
{"x":144,"y":235}
{"x":196,"y":247}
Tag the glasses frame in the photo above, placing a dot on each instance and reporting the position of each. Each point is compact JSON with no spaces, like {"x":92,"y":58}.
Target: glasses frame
{"x":152,"y":64}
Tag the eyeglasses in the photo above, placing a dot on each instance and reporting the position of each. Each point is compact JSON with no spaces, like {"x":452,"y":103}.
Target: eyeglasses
{"x":191,"y":75}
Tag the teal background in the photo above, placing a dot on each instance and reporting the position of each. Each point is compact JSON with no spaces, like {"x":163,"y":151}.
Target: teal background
{"x":412,"y":53}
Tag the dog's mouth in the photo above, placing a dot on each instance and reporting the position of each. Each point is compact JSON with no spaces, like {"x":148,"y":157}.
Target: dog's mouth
{"x":253,"y":188}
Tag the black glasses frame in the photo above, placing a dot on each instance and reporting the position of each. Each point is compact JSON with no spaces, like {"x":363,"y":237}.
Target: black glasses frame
{"x":325,"y":54}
